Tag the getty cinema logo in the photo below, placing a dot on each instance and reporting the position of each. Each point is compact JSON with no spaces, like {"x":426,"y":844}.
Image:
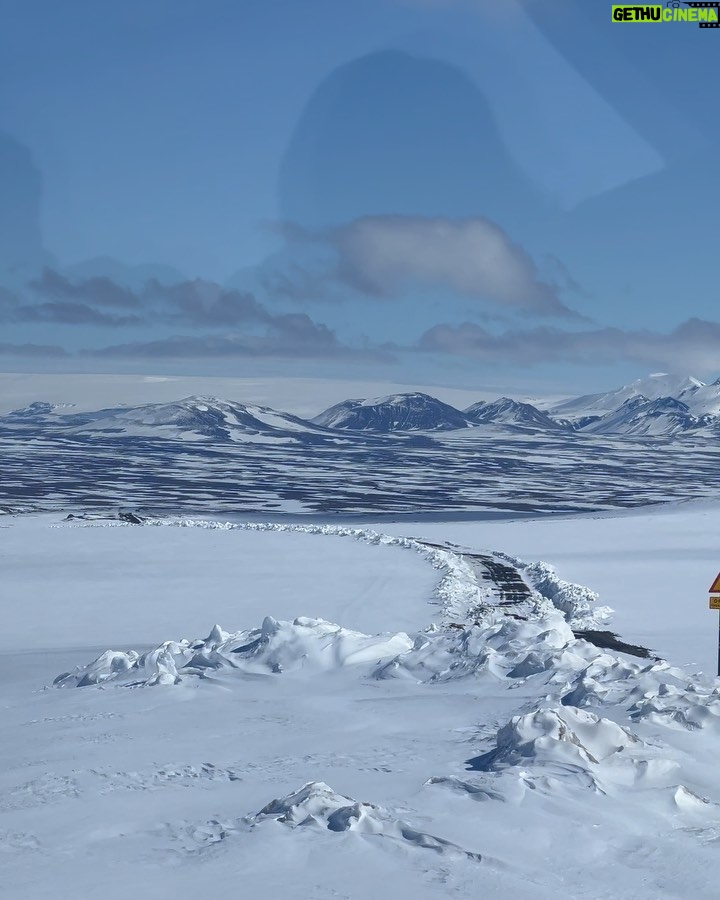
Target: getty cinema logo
{"x":705,"y":14}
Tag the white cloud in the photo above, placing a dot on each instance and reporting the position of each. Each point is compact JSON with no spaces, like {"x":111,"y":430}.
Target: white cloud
{"x":382,"y":256}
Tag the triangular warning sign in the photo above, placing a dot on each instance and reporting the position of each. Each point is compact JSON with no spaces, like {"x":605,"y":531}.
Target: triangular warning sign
{"x":715,"y":589}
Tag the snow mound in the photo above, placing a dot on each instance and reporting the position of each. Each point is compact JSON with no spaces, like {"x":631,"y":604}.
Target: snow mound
{"x":579,"y":737}
{"x":314,"y":806}
{"x":275,"y":647}
{"x":501,"y":647}
{"x":688,"y":801}
{"x":658,"y":693}
{"x":559,"y":745}
{"x":317,"y":805}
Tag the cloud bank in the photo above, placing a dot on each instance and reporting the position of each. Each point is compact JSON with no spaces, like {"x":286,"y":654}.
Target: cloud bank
{"x":692,"y":345}
{"x":376,"y":255}
{"x":201,"y":305}
{"x":291,"y":336}
{"x":101,"y":301}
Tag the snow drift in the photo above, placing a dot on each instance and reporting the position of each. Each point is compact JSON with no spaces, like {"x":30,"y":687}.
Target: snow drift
{"x":316,"y":804}
{"x":275,"y":647}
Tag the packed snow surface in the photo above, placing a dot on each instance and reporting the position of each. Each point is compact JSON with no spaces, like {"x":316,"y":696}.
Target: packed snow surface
{"x":463,"y":742}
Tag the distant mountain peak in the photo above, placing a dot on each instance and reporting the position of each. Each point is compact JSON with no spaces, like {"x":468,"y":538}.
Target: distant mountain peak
{"x":189,"y":418}
{"x":661,"y":416}
{"x":506,"y":411}
{"x":637,"y":400}
{"x":412,"y":411}
{"x":651,"y":387}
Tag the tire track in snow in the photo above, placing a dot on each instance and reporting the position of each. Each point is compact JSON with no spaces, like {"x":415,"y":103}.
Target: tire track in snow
{"x":514,"y":595}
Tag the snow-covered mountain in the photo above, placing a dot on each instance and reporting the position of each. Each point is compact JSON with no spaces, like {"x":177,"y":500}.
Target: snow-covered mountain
{"x":702,"y":399}
{"x":511,"y":412}
{"x":656,"y":406}
{"x":397,"y":412}
{"x":193,"y":418}
{"x":211,"y":417}
{"x":642,"y":416}
{"x":37,"y":411}
{"x":653,"y":387}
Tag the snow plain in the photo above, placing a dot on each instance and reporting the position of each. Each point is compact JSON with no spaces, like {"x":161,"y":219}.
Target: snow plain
{"x":568,"y":770}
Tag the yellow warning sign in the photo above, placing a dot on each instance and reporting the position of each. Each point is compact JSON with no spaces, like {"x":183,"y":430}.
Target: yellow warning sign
{"x":715,"y":603}
{"x":715,"y":589}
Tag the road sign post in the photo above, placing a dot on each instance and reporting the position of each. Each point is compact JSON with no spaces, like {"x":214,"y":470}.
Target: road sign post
{"x":715,"y":604}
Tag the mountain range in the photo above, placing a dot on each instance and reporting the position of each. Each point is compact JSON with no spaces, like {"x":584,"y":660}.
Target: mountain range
{"x":657,"y":406}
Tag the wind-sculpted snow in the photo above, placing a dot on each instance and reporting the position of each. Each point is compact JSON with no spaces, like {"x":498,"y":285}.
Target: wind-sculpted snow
{"x":503,"y":647}
{"x":553,"y":744}
{"x":275,"y":647}
{"x":658,"y":693}
{"x":589,"y":732}
{"x":316,"y":804}
{"x":577,"y":737}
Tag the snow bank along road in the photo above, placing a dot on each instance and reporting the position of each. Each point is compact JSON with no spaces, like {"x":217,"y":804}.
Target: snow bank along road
{"x":488,"y":751}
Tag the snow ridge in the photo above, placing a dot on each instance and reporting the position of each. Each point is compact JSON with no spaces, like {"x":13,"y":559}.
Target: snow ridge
{"x":274,"y":648}
{"x":575,"y":601}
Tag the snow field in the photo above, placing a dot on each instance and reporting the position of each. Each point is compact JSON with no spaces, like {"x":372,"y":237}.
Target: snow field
{"x":558,"y":738}
{"x":565,"y":767}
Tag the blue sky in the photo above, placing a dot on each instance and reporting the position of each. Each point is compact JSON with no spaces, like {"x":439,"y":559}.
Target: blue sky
{"x":438,"y":190}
